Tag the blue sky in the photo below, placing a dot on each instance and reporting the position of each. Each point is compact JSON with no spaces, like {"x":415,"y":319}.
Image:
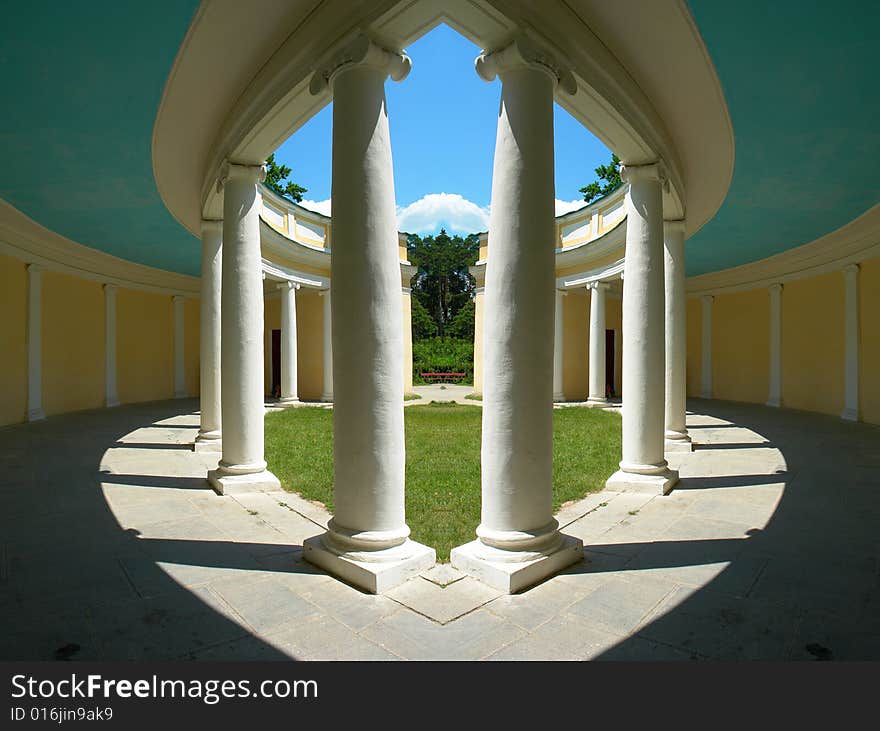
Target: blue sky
{"x":443,"y":119}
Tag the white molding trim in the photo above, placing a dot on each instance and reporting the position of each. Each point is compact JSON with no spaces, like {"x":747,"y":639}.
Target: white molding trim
{"x":23,"y":238}
{"x":287,"y":274}
{"x":582,"y":279}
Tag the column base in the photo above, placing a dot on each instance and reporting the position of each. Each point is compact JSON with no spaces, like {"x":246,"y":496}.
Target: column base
{"x":327,"y":398}
{"x":386,"y":568}
{"x":558,"y":398}
{"x":226,"y":484}
{"x":774,"y":402}
{"x":36,"y":415}
{"x":850,"y":415}
{"x":111,"y":402}
{"x":598,"y":403}
{"x":657,"y":484}
{"x":511,"y":576}
{"x":678,"y":441}
{"x":208,"y":445}
{"x":287,"y":403}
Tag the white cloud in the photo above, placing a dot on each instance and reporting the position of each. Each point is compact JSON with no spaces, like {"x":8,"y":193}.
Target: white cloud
{"x":317,"y":206}
{"x":568,"y":206}
{"x":443,"y":210}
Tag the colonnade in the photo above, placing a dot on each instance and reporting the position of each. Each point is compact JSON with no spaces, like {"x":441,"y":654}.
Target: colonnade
{"x":518,"y":540}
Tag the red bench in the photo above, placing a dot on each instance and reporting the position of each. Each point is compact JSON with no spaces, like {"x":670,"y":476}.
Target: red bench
{"x":442,"y":377}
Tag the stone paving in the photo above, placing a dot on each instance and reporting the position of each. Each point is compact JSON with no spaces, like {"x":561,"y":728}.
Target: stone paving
{"x":113,"y":547}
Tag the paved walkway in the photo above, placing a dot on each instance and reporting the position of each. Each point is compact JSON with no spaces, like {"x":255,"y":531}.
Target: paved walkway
{"x":113,"y":547}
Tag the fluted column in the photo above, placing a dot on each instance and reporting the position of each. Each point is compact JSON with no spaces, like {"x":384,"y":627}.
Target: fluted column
{"x":289,"y":393}
{"x":111,"y":395}
{"x":558,"y":346}
{"x":643,"y":467}
{"x":597,"y":373}
{"x":327,"y":389}
{"x":851,"y":329}
{"x":242,"y":467}
{"x":209,"y":437}
{"x":518,"y":541}
{"x":677,"y":437}
{"x":367,"y":540}
{"x":774,"y":397}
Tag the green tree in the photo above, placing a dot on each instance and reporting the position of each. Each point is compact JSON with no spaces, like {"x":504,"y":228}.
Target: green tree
{"x":423,"y":325}
{"x":443,"y":284}
{"x":276,"y":179}
{"x":462,"y":325}
{"x":610,"y":174}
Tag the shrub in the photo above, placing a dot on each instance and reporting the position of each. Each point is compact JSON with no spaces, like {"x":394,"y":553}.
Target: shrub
{"x":443,"y":355}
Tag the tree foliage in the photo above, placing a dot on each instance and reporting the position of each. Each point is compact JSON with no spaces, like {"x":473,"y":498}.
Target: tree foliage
{"x":423,"y":325}
{"x":276,"y":179}
{"x":610,"y":174}
{"x":443,"y":285}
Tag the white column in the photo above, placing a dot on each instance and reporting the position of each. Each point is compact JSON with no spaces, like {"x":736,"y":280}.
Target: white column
{"x":775,"y":391}
{"x":706,"y":354}
{"x":518,"y":541}
{"x":111,"y":395}
{"x":209,"y":437}
{"x":851,"y":402}
{"x":643,"y":467}
{"x":597,"y":344}
{"x":367,"y":540}
{"x":35,"y":343}
{"x":677,"y":437}
{"x":242,"y":467}
{"x":327,"y":391}
{"x":179,"y":347}
{"x":288,"y":344}
{"x":558,"y":346}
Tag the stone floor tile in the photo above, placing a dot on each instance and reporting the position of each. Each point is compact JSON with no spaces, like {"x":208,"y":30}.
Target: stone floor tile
{"x":264,"y":602}
{"x":349,"y":606}
{"x":323,"y":638}
{"x":565,"y":637}
{"x":442,"y":574}
{"x":619,"y":605}
{"x":443,"y":604}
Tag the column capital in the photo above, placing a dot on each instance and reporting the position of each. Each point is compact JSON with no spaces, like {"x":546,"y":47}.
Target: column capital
{"x":178,"y":298}
{"x":707,"y":299}
{"x":235,"y":171}
{"x":34,"y":268}
{"x":525,"y":52}
{"x":776,"y":287}
{"x":674,"y":227}
{"x":639,"y":173}
{"x":599,"y":286}
{"x":361,"y":51}
{"x":851,"y":269}
{"x":287,"y":284}
{"x":110,"y":288}
{"x":214,"y":225}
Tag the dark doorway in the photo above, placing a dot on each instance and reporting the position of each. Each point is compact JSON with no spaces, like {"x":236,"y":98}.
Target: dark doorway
{"x":275,"y":376}
{"x":609,"y":364}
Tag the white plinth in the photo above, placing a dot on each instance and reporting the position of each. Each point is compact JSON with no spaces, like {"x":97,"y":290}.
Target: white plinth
{"x":598,"y":403}
{"x":287,"y":403}
{"x":474,"y":558}
{"x":658,"y":484}
{"x":226,"y":484}
{"x":678,"y":445}
{"x":208,"y":445}
{"x":383,"y":571}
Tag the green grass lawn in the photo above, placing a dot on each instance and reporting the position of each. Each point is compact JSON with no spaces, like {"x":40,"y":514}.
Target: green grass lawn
{"x":442,"y":462}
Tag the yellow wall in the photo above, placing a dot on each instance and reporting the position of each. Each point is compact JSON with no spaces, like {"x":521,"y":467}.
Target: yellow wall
{"x":310,"y":344}
{"x":407,"y":343}
{"x":191,"y":329}
{"x":813,"y":343}
{"x":13,"y":340}
{"x":144,"y":346}
{"x":576,"y":345}
{"x":869,"y":341}
{"x":478,"y":342}
{"x":741,"y":346}
{"x":694,"y":345}
{"x":272,"y":321}
{"x":73,"y":343}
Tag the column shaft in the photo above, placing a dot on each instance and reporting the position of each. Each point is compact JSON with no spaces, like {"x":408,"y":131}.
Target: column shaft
{"x":111,"y":395}
{"x":242,"y":467}
{"x":851,"y":402}
{"x":677,"y":437}
{"x":706,"y":349}
{"x":179,"y":347}
{"x":289,"y":392}
{"x":35,"y":343}
{"x":558,"y":347}
{"x":597,"y":373}
{"x":209,"y":337}
{"x":774,"y":397}
{"x":643,"y":467}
